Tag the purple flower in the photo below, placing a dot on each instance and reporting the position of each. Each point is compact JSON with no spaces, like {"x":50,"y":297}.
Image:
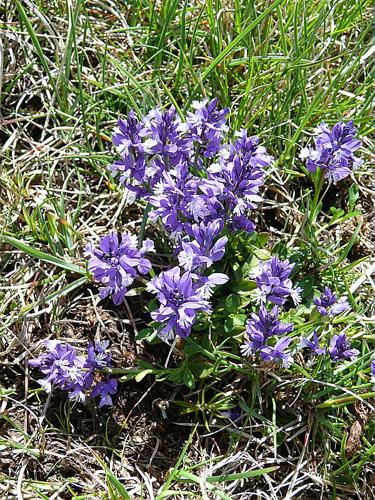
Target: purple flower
{"x":63,"y":368}
{"x":97,"y":356}
{"x":260,"y":327}
{"x":203,"y":251}
{"x":313,"y":345}
{"x":181,"y":199}
{"x":327,"y":303}
{"x":206,"y":127}
{"x":163,"y":138}
{"x":334,"y":151}
{"x":180,"y":301}
{"x":116,"y":264}
{"x":242,"y":223}
{"x":340,"y":349}
{"x":206,"y":284}
{"x":274,"y":285}
{"x":68,"y":371}
{"x":170,"y":198}
{"x":104,"y":390}
{"x":373,"y":370}
{"x":278,"y":352}
{"x":234,"y":414}
{"x":240,"y":170}
{"x":204,"y":200}
{"x":127,"y":138}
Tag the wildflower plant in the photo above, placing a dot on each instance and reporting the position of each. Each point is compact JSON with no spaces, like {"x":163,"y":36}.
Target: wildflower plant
{"x":232,"y":302}
{"x":65,"y":369}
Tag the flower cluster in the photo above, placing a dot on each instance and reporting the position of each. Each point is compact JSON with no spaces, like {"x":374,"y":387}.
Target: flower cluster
{"x":199,"y":250}
{"x":274,"y":286}
{"x":273,"y":282}
{"x":200,"y":187}
{"x":186,"y":171}
{"x":339,"y":348}
{"x":65,"y":369}
{"x":116,"y":263}
{"x":260,"y":328}
{"x":334,"y":151}
{"x":327,"y":303}
{"x":181,"y":297}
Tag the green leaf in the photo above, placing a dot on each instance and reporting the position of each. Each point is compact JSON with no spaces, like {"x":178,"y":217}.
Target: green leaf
{"x":353,"y":196}
{"x":262,"y":253}
{"x":146,"y":334}
{"x":39,"y":255}
{"x":188,"y":378}
{"x":117,"y":490}
{"x":243,"y":285}
{"x":232,"y":303}
{"x":141,"y":375}
{"x":235,"y":324}
{"x":200,"y":368}
{"x":240,"y":475}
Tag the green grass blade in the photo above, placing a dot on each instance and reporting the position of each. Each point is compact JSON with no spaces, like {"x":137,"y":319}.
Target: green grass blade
{"x":39,"y":255}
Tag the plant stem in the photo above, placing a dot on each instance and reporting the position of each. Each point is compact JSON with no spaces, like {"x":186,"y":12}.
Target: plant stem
{"x":318,"y":184}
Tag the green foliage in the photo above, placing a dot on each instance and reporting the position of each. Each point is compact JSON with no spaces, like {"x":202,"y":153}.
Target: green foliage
{"x":281,"y":67}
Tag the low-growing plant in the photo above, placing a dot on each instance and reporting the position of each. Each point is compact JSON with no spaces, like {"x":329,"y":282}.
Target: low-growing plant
{"x":237,"y":304}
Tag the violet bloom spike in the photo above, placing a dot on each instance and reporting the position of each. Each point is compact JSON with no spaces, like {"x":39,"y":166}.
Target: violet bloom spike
{"x":105,"y":390}
{"x":206,"y":127}
{"x":260,"y":327}
{"x":278,"y":352}
{"x":180,"y":301}
{"x":340,"y":348}
{"x":203,"y":251}
{"x":161,"y":129}
{"x":62,"y":368}
{"x":240,"y":170}
{"x":313,"y":345}
{"x":128,"y":141}
{"x":327,"y":303}
{"x":116,"y":264}
{"x":334,"y":151}
{"x":97,"y":356}
{"x":274,"y":285}
{"x":66,"y":370}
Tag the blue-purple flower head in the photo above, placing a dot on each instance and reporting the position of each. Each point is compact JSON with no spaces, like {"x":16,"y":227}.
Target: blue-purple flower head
{"x":327,"y":303}
{"x":66,"y":370}
{"x":334,"y":151}
{"x":313,"y":345}
{"x":128,"y":140}
{"x":105,"y":389}
{"x":186,"y":171}
{"x":273,"y":282}
{"x":240,"y":170}
{"x":180,"y":298}
{"x":116,"y":263}
{"x":201,"y":251}
{"x":340,"y":348}
{"x":98,"y":356}
{"x":260,"y":328}
{"x":373,"y":370}
{"x":62,"y":367}
{"x":206,"y":126}
{"x":161,"y":130}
